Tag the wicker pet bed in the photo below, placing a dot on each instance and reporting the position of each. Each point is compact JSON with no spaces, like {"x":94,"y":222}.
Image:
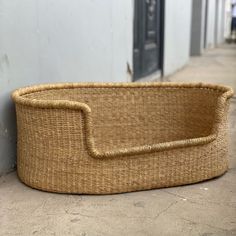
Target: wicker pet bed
{"x":112,"y":138}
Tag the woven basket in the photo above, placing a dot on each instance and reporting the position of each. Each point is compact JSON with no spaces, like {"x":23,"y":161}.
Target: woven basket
{"x":112,"y":138}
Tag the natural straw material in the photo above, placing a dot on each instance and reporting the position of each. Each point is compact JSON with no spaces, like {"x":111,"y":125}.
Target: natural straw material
{"x":111,"y":138}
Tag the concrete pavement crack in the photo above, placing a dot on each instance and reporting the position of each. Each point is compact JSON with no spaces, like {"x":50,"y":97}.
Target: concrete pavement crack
{"x":211,"y":226}
{"x":130,"y":217}
{"x":182,"y":197}
{"x":165,"y":210}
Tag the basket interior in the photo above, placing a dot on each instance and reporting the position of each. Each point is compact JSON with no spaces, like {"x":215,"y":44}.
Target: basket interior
{"x":128,"y":117}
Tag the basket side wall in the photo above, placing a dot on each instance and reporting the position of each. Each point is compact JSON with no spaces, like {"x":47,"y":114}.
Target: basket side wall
{"x":52,"y":155}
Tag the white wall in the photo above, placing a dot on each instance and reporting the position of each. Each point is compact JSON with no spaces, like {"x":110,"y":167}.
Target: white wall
{"x":220,"y":15}
{"x":211,"y":21}
{"x":177,"y":34}
{"x":227,"y":18}
{"x":59,"y":40}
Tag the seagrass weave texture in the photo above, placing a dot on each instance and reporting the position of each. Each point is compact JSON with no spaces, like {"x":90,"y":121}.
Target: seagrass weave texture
{"x":111,"y":138}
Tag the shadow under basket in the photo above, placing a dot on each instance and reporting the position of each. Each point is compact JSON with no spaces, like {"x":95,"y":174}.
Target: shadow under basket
{"x":110,"y":138}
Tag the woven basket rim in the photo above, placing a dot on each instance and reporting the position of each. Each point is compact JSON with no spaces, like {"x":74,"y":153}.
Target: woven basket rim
{"x":225,"y":93}
{"x":165,"y":85}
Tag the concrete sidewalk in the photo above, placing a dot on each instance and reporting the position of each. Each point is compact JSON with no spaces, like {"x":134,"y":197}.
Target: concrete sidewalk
{"x":205,"y":209}
{"x":217,"y":66}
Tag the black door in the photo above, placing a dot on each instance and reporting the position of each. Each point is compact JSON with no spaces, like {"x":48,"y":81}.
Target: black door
{"x":148,"y":34}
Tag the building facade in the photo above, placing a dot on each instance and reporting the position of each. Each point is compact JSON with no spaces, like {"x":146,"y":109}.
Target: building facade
{"x":208,"y":25}
{"x":95,"y":41}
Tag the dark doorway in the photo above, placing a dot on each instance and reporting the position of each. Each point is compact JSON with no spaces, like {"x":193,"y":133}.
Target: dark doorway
{"x":148,"y":37}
